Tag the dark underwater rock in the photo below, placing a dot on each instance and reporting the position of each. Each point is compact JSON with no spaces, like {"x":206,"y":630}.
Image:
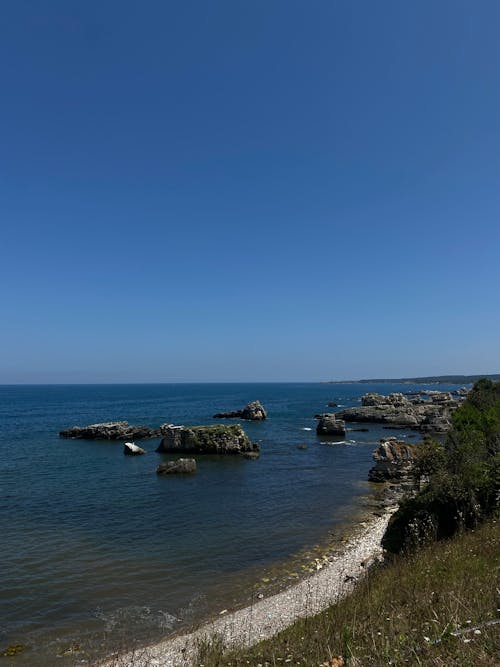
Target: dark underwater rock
{"x":251,"y":456}
{"x":181,"y":466}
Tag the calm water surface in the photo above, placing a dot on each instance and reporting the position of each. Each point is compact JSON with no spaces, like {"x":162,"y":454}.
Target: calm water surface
{"x":93,"y":542}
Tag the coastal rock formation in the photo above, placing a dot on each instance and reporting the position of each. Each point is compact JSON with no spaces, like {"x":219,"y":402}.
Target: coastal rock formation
{"x":330,"y":425}
{"x":430,"y":415}
{"x":181,"y":466}
{"x":253,"y":411}
{"x":131,"y":449}
{"x":215,"y":439}
{"x":380,"y":414}
{"x":393,"y":461}
{"x":110,"y":431}
{"x":396,"y":399}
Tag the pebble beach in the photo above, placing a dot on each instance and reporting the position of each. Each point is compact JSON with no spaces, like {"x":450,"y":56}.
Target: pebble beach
{"x":268,"y":616}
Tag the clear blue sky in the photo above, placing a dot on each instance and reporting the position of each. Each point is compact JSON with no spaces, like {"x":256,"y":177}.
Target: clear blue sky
{"x":249,"y":190}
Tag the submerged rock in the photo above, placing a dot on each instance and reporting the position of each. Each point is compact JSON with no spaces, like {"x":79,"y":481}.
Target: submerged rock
{"x":131,"y":449}
{"x":110,"y":431}
{"x":330,"y":425}
{"x":393,"y":461}
{"x":251,"y":456}
{"x":253,"y":411}
{"x":181,"y":466}
{"x":214,"y":439}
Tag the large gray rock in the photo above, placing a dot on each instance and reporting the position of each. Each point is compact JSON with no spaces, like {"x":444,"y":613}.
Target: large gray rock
{"x":253,"y":411}
{"x":380,"y":414}
{"x":181,"y":466}
{"x":394,"y":461}
{"x":214,"y":439}
{"x":430,"y":415}
{"x":330,"y":425}
{"x":110,"y":431}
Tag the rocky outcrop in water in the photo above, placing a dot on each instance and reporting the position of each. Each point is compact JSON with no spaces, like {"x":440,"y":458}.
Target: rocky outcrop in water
{"x":393,"y":461}
{"x":110,"y":431}
{"x":131,"y":449}
{"x":181,"y":466}
{"x":214,"y":439}
{"x":430,"y":415}
{"x":253,"y":411}
{"x":330,"y":425}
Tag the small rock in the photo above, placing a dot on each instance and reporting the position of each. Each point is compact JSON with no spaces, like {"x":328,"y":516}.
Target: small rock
{"x":253,"y":411}
{"x":131,"y":449}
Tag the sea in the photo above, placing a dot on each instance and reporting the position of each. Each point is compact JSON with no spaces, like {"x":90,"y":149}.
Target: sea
{"x":99,"y":554}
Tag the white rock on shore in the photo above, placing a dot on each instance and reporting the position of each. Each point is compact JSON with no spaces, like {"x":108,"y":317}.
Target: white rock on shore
{"x":268,"y":616}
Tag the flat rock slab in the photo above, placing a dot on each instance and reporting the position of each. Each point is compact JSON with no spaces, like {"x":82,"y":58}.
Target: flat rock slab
{"x":110,"y":431}
{"x":433,"y":415}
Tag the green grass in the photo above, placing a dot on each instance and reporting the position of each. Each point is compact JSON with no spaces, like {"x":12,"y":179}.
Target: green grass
{"x":403,"y":613}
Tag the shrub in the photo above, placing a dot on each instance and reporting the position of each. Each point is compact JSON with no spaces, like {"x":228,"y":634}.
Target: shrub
{"x":463,"y":476}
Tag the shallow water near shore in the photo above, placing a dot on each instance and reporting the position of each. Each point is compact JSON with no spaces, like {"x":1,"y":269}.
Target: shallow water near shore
{"x":98,"y":552}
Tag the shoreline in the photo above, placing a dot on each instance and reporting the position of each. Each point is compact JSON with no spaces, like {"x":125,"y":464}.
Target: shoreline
{"x":267,"y":616}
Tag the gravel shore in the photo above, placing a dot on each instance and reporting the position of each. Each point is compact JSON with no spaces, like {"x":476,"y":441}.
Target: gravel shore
{"x":268,"y":616}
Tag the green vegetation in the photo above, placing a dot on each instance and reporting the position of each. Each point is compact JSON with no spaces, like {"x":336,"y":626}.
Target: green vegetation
{"x":12,"y":650}
{"x":437,"y":607}
{"x":463,"y":475}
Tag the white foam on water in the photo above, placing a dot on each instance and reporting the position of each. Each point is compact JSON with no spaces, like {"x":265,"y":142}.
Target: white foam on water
{"x":306,"y":428}
{"x":338,"y":442}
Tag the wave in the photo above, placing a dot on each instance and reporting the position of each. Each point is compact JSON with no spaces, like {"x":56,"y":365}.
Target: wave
{"x":337,"y":442}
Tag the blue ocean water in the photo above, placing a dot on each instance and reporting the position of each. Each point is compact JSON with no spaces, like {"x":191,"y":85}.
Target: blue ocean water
{"x":93,"y":542}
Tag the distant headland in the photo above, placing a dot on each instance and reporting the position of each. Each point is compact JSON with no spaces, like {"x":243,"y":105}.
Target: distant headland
{"x":431,"y":379}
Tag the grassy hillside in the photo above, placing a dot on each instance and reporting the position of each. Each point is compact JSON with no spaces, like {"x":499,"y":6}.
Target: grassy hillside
{"x":438,"y":607}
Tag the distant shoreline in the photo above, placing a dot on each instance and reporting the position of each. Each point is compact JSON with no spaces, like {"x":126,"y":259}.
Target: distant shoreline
{"x":432,"y":379}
